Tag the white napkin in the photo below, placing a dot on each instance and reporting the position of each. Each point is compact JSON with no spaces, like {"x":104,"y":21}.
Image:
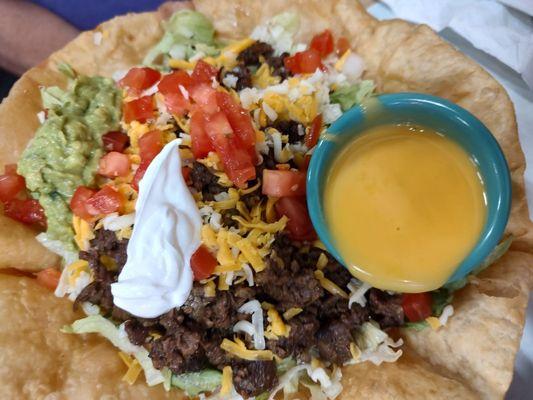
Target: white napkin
{"x":490,"y":26}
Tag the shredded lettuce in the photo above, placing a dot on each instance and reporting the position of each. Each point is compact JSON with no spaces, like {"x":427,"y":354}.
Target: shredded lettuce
{"x":118,"y":337}
{"x":194,"y":383}
{"x":187,"y":33}
{"x":349,"y":95}
{"x":279,"y":32}
{"x":375,"y":345}
{"x":417,"y":326}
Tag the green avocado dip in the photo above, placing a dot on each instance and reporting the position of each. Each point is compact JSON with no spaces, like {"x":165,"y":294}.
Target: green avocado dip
{"x":65,"y":151}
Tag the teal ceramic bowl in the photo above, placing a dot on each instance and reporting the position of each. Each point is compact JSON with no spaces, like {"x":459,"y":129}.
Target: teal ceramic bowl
{"x":436,"y":113}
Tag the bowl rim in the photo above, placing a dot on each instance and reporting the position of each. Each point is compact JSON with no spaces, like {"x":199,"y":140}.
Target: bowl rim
{"x":495,"y":224}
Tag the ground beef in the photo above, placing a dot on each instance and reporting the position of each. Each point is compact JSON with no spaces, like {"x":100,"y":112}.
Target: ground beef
{"x":301,"y":338}
{"x":98,"y":292}
{"x":289,"y":285}
{"x":214,"y":354}
{"x":337,"y":273}
{"x":253,"y":54}
{"x":251,"y":378}
{"x":137,"y":333}
{"x":386,"y":309}
{"x":210,"y":312}
{"x":181,"y":351}
{"x":334,"y":342}
{"x":205,"y":182}
{"x":289,"y":128}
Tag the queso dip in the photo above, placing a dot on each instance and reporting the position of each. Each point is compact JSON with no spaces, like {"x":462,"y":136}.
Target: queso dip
{"x":405,"y":205}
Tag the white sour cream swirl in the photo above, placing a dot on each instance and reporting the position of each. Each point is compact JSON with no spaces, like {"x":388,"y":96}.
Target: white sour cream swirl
{"x":157,"y":276}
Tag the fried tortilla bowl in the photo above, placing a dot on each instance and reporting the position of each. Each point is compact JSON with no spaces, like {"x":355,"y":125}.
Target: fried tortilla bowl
{"x":471,"y":357}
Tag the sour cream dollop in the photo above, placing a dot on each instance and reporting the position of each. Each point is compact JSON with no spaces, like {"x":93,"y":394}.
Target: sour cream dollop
{"x":157,"y":276}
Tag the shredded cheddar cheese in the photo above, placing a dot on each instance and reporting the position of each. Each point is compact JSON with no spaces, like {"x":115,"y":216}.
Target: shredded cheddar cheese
{"x":227,"y":380}
{"x":329,"y":285}
{"x":238,"y":349}
{"x":355,"y":351}
{"x":322,"y":261}
{"x":433,"y":322}
{"x":262,"y":226}
{"x":210,"y":289}
{"x":180,"y":64}
{"x":76,"y":269}
{"x":83,"y":232}
{"x":340,"y":62}
{"x":251,"y":254}
{"x":277,"y":326}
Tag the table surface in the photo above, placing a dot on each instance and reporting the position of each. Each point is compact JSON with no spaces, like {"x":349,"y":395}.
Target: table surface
{"x":522,"y":98}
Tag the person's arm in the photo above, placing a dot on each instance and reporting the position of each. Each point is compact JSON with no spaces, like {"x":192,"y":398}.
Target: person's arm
{"x":29,"y":34}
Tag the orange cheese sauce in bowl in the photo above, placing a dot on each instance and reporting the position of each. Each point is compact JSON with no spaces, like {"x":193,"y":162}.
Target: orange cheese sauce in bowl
{"x":404,"y":206}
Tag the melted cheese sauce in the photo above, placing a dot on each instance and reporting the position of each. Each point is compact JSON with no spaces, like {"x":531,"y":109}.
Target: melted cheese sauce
{"x":405,"y":206}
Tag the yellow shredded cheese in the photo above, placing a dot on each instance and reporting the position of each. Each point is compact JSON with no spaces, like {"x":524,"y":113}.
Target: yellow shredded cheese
{"x":291,"y":313}
{"x":75,"y":269}
{"x":319,"y":244}
{"x":209,"y":237}
{"x":322,"y":261}
{"x":227,"y":380}
{"x":263,"y":78}
{"x":265,"y":305}
{"x":238,"y":349}
{"x":251,"y":254}
{"x":329,"y":285}
{"x":222,"y":285}
{"x":180,"y":64}
{"x":228,"y":204}
{"x":316,"y":363}
{"x":223,"y":269}
{"x":340,"y":62}
{"x":224,"y":254}
{"x":270,"y":211}
{"x":133,"y":373}
{"x":250,"y":189}
{"x":277,"y":326}
{"x":210,"y":289}
{"x":433,"y":322}
{"x":239,"y":46}
{"x":262,"y":226}
{"x":83,"y":232}
{"x":241,"y":208}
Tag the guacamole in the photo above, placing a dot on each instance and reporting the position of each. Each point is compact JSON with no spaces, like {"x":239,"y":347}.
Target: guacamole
{"x":65,"y":151}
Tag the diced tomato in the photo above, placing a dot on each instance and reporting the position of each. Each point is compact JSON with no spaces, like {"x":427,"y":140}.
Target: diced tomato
{"x":140,"y":109}
{"x":27,"y":211}
{"x":204,"y":73}
{"x":218,"y":124}
{"x":177,"y":104}
{"x":323,"y":43}
{"x":49,"y":278}
{"x":115,"y":141}
{"x":283,"y":183}
{"x":139,"y":174}
{"x":201,"y":144}
{"x":291,"y":63}
{"x":417,"y":306}
{"x":139,"y":79}
{"x":203,"y":263}
{"x":78,"y":202}
{"x":237,"y":161}
{"x":311,"y":138}
{"x":150,"y":144}
{"x":343,"y":45}
{"x":239,"y":119}
{"x":114,"y":164}
{"x":106,"y":201}
{"x":10,"y":186}
{"x":170,"y":84}
{"x":206,"y":97}
{"x":299,"y":225}
{"x":304,"y":62}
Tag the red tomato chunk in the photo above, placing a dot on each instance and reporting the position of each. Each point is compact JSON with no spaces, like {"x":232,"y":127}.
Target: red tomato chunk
{"x":203,"y":263}
{"x":417,"y":306}
{"x":114,"y":164}
{"x":115,"y":141}
{"x":283,"y":183}
{"x":141,"y":109}
{"x":139,"y":79}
